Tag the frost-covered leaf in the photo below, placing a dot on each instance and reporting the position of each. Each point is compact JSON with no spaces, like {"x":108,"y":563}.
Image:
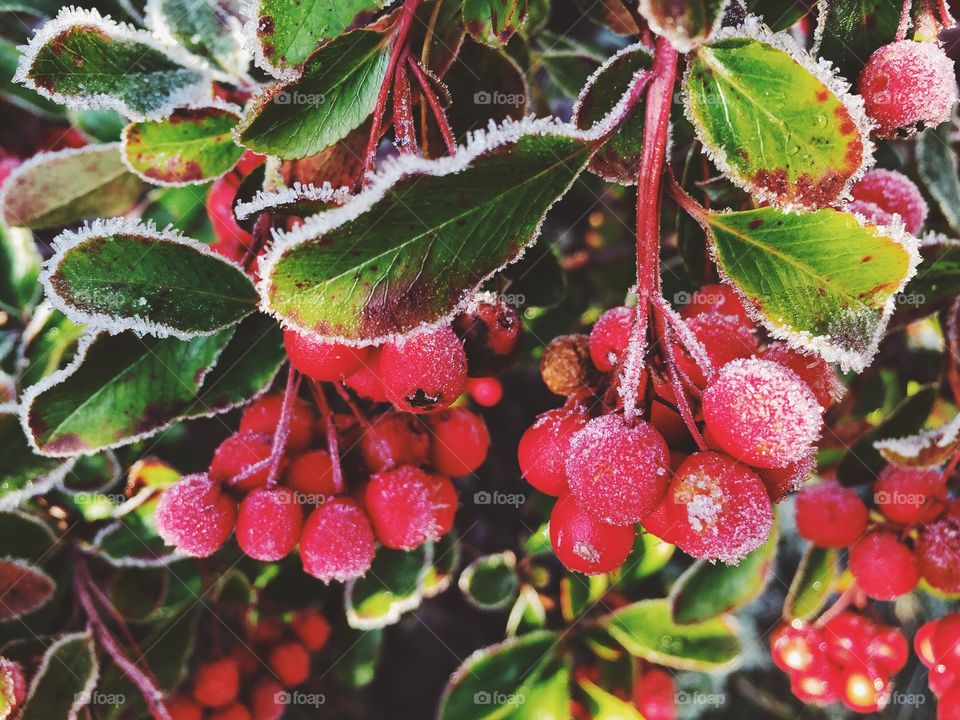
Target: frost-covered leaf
{"x":605,"y":706}
{"x":391,"y":587}
{"x":446,"y":560}
{"x":650,"y":555}
{"x":25,"y":536}
{"x":23,"y":474}
{"x":123,"y":275}
{"x":83,"y":60}
{"x":287,"y":33}
{"x":205,"y":28}
{"x":334,"y":93}
{"x":190,"y":147}
{"x":490,"y":582}
{"x":774,"y":121}
{"x":850,"y":30}
{"x":684,"y":24}
{"x":619,"y":159}
{"x":62,"y":685}
{"x":938,"y":168}
{"x":132,"y":540}
{"x":299,"y":201}
{"x":37,"y":195}
{"x":812,"y":584}
{"x":646,"y":630}
{"x":937,"y":282}
{"x":494,"y":21}
{"x":49,"y":343}
{"x":780,"y":14}
{"x":19,"y":269}
{"x":569,"y":63}
{"x":926,"y":449}
{"x":823,"y":280}
{"x":26,"y":588}
{"x":118,"y":388}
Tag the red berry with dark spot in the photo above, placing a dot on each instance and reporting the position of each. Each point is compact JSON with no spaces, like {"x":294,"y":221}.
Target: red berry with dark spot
{"x":830,"y":515}
{"x":883,"y":566}
{"x":311,"y":628}
{"x":716,"y":298}
{"x":492,"y":335}
{"x":311,"y":474}
{"x":183,"y":708}
{"x":194,"y":516}
{"x":237,"y":711}
{"x":543,"y":449}
{"x":216,"y":683}
{"x":724,"y":337}
{"x":236,"y":454}
{"x":263,"y":416}
{"x":266,"y":700}
{"x":290,"y":662}
{"x":337,"y":541}
{"x":269,"y":524}
{"x":403,"y":505}
{"x":610,"y":337}
{"x":321,"y":360}
{"x":395,"y":439}
{"x":910,"y":495}
{"x":895,"y":194}
{"x":425,"y":372}
{"x":585,"y":544}
{"x":460,"y":441}
{"x":366,"y":381}
{"x":816,"y":372}
{"x":938,"y":548}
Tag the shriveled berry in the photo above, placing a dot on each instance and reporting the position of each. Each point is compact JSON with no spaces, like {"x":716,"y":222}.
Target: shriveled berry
{"x":236,"y":454}
{"x":938,"y":548}
{"x":566,"y":367}
{"x":895,"y":194}
{"x":311,"y":628}
{"x":460,"y":441}
{"x":403,"y":506}
{"x":910,"y":495}
{"x":492,"y":335}
{"x":542,"y":452}
{"x":485,"y":391}
{"x":237,"y":711}
{"x":724,"y":337}
{"x":263,"y":416}
{"x":720,"y":508}
{"x":617,"y":471}
{"x":610,"y":337}
{"x":337,"y":541}
{"x":883,"y":566}
{"x":394,"y":439}
{"x":780,"y":482}
{"x":762,"y":413}
{"x":182,"y":707}
{"x":585,"y":544}
{"x":816,"y":372}
{"x":716,"y":298}
{"x":216,"y":683}
{"x":266,"y":700}
{"x":366,"y":381}
{"x":269,"y":524}
{"x":830,"y":515}
{"x":321,"y":360}
{"x":425,"y":372}
{"x":290,"y":662}
{"x":311,"y":474}
{"x":194,"y":516}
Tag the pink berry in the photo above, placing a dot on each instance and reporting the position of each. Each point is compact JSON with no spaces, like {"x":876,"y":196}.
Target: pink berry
{"x":182,"y":707}
{"x":366,"y":381}
{"x":873,"y":213}
{"x":720,"y":508}
{"x":654,"y":695}
{"x":216,"y":683}
{"x":237,"y":711}
{"x":195,"y":516}
{"x":716,"y":298}
{"x":311,"y":474}
{"x":543,"y":449}
{"x":236,"y":454}
{"x":492,"y":335}
{"x":266,"y":699}
{"x":830,"y":515}
{"x":610,"y":337}
{"x":907,"y":86}
{"x":320,"y":360}
{"x":780,"y":482}
{"x":403,"y":506}
{"x":290,"y":662}
{"x":485,"y":391}
{"x":337,"y":541}
{"x":394,"y":439}
{"x":938,"y":548}
{"x":424,"y":373}
{"x":311,"y":628}
{"x":910,"y":495}
{"x":762,"y":413}
{"x":883,"y":567}
{"x":618,"y":472}
{"x":724,"y":337}
{"x":816,"y":372}
{"x":263,"y":416}
{"x":946,"y":641}
{"x":269,"y":524}
{"x":460,"y":441}
{"x":585,"y":544}
{"x":895,"y":194}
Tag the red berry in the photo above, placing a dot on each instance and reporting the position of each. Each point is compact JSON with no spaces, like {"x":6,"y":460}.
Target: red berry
{"x":321,"y":360}
{"x":263,"y":416}
{"x":311,"y":628}
{"x":816,"y":372}
{"x":907,"y":86}
{"x":446,"y":501}
{"x":337,"y":541}
{"x":910,"y":495}
{"x":864,"y":691}
{"x":883,"y":567}
{"x":425,"y":372}
{"x":938,"y":548}
{"x":268,"y":630}
{"x":195,"y":516}
{"x":762,"y":413}
{"x":269,"y":524}
{"x":819,"y":685}
{"x":366,"y":381}
{"x":492,"y":335}
{"x":234,"y":712}
{"x":232,"y":240}
{"x":830,"y":515}
{"x":780,"y":482}
{"x":485,"y":391}
{"x":719,"y":298}
{"x":888,"y":649}
{"x":216,"y":683}
{"x":720,"y":508}
{"x":948,"y":706}
{"x":395,"y":439}
{"x":610,"y":337}
{"x":942,"y":679}
{"x":797,"y":649}
{"x":543,"y":449}
{"x":460,"y":441}
{"x":654,"y":695}
{"x":724,"y":337}
{"x":267,"y":699}
{"x":236,"y":454}
{"x":311,"y":474}
{"x":659,"y":524}
{"x":290,"y":662}
{"x":585,"y":544}
{"x":846,"y":636}
{"x":183,"y":708}
{"x":895,"y":194}
{"x":403,"y":505}
{"x":946,"y":641}
{"x":923,"y":643}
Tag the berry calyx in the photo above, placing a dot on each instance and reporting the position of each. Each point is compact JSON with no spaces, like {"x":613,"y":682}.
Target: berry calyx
{"x":424,"y":373}
{"x":716,"y":298}
{"x":816,"y":372}
{"x":610,"y":337}
{"x":830,"y":515}
{"x":492,"y":335}
{"x":321,"y":360}
{"x":542,"y":452}
{"x":290,"y":662}
{"x":894,"y":194}
{"x":269,"y":524}
{"x":394,"y":439}
{"x":460,"y":441}
{"x":311,"y":628}
{"x":263,"y":416}
{"x":938,"y":548}
{"x":236,"y":454}
{"x":194,"y":516}
{"x":337,"y":541}
{"x":404,"y":506}
{"x":216,"y":683}
{"x":311,"y":474}
{"x":883,"y":566}
{"x":585,"y":544}
{"x":910,"y":495}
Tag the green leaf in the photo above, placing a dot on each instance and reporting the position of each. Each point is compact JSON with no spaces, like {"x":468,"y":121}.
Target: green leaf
{"x":684,"y":24}
{"x":446,"y":560}
{"x":58,"y":188}
{"x":646,"y":630}
{"x":49,"y":343}
{"x":822,"y":279}
{"x":527,"y":614}
{"x":568,"y":63}
{"x":440,"y":231}
{"x":118,"y":389}
{"x":580,"y":593}
{"x":288,"y":33}
{"x":852,"y":29}
{"x":774,"y":122}
{"x":17,"y":94}
{"x":938,"y":168}
{"x":937,"y":282}
{"x":494,"y":22}
{"x":333,"y":94}
{"x":63,"y":683}
{"x":24,"y":536}
{"x":812,"y":584}
{"x":779,"y":14}
{"x":604,"y":706}
{"x":204,"y":27}
{"x":83,"y":60}
{"x":23,"y":474}
{"x":490,"y":581}
{"x":649,"y":556}
{"x":27,"y":588}
{"x":299,"y":201}
{"x":19,"y":270}
{"x":357,"y":653}
{"x":122,"y":275}
{"x":133,"y":541}
{"x":191,"y":147}
{"x":391,"y":587}
{"x":706,"y":590}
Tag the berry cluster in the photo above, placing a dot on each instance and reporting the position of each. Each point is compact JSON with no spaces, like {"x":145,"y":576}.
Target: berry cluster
{"x":937,"y":644}
{"x":705,"y":484}
{"x":917,"y":533}
{"x":849,"y":658}
{"x":239,"y":685}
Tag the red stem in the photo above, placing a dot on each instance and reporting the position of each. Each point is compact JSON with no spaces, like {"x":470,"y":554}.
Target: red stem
{"x":904,"y":20}
{"x":333,"y":447}
{"x":403,"y":125}
{"x":434,"y":102}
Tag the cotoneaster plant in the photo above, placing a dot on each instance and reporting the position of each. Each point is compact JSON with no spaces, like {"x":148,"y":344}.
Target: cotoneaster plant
{"x":334,"y":378}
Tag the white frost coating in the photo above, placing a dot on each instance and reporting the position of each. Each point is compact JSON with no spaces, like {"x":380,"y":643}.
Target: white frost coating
{"x":822,"y":70}
{"x":162,"y":560}
{"x":40,"y":485}
{"x":71,"y":16}
{"x":912,"y":446}
{"x":35,"y":569}
{"x":113,"y":476}
{"x":264,"y":201}
{"x":69,"y":239}
{"x":156,"y":21}
{"x":397,"y":607}
{"x":681,"y":43}
{"x":82,"y":698}
{"x":691,"y":343}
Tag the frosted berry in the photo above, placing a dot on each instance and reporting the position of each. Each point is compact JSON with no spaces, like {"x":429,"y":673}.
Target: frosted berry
{"x":816,"y":372}
{"x":311,"y":474}
{"x":460,"y":441}
{"x":290,"y":662}
{"x":938,"y":548}
{"x":618,"y":472}
{"x":910,"y":495}
{"x":895,"y":194}
{"x":830,"y":515}
{"x":585,"y":544}
{"x":216,"y":683}
{"x":320,"y":360}
{"x":492,"y":335}
{"x":566,"y":367}
{"x":266,"y":700}
{"x":263,"y":416}
{"x":403,"y":505}
{"x":366,"y":381}
{"x":237,"y":711}
{"x":610,"y":337}
{"x":724,"y":337}
{"x":269,"y":524}
{"x":195,"y":516}
{"x":485,"y":391}
{"x":311,"y":628}
{"x":543,"y":448}
{"x":716,"y":298}
{"x":907,"y":86}
{"x":780,"y":482}
{"x":183,"y":708}
{"x":394,"y":439}
{"x":337,"y":541}
{"x":762,"y":413}
{"x":236,"y":454}
{"x":883,"y":567}
{"x":720,"y":508}
{"x":424,"y":373}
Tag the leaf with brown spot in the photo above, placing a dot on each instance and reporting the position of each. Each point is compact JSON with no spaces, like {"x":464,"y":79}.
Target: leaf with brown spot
{"x":26,"y":588}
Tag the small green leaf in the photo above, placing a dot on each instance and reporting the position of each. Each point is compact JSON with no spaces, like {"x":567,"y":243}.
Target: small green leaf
{"x":299,"y":201}
{"x":850,"y":30}
{"x":192,"y":146}
{"x":57,"y":188}
{"x":204,"y":27}
{"x":446,"y":560}
{"x":649,"y":556}
{"x":937,"y":282}
{"x":812,"y":584}
{"x":494,"y":22}
{"x":774,"y":122}
{"x":490,"y":581}
{"x":779,"y":14}
{"x":580,"y":593}
{"x":646,"y":630}
{"x":604,"y":706}
{"x":49,"y":343}
{"x":333,"y":94}
{"x":938,"y":168}
{"x":684,"y":24}
{"x":24,"y":536}
{"x":527,"y":614}
{"x":133,"y":541}
{"x":19,"y":270}
{"x":822,"y":279}
{"x":122,"y":275}
{"x":357,"y":653}
{"x":391,"y":587}
{"x":63,"y":683}
{"x":23,"y":474}
{"x":27,"y":588}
